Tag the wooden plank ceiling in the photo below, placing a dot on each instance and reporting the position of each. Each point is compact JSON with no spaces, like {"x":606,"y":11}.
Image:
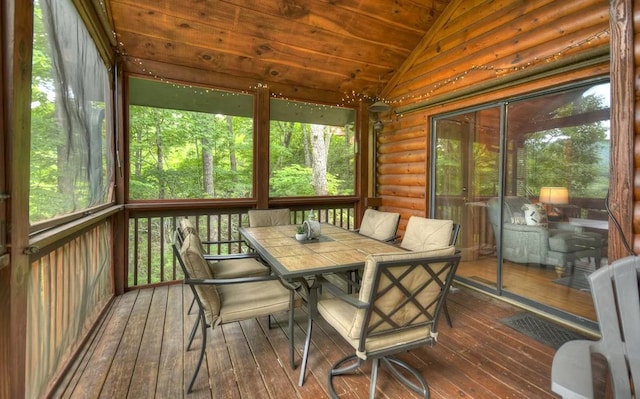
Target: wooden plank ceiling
{"x":339,"y":46}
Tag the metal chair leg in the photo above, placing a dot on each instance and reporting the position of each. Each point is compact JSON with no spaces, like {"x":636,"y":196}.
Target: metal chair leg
{"x":374,"y":377}
{"x":193,"y":332}
{"x":391,"y":362}
{"x":193,"y":301}
{"x":336,"y":369}
{"x":202,"y":350}
{"x":305,"y":354}
{"x":446,"y":313}
{"x":292,"y":359}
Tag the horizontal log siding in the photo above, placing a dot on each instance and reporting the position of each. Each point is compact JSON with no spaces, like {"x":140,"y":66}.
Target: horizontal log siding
{"x":523,"y":39}
{"x":504,"y":33}
{"x":401,"y":168}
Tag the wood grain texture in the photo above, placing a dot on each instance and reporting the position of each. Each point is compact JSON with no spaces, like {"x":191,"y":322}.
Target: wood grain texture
{"x":478,"y":358}
{"x":507,"y":34}
{"x":347,"y":46}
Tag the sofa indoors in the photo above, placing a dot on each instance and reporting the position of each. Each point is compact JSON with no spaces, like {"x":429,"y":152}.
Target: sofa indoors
{"x":535,"y":240}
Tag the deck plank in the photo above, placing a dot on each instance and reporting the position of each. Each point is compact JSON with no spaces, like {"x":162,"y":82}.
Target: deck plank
{"x":170,"y":383}
{"x":145,"y":373}
{"x":95,"y":374}
{"x":139,"y":351}
{"x":124,"y":360}
{"x":244,"y":364}
{"x":270,"y":364}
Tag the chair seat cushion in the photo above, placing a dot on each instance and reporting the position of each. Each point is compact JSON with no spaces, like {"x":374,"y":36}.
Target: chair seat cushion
{"x":341,"y":315}
{"x":248,"y":300}
{"x":234,"y":268}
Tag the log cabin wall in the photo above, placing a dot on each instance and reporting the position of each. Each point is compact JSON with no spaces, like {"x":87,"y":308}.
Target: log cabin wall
{"x":479,"y":45}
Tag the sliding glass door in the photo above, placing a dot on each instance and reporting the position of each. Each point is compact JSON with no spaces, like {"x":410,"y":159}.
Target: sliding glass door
{"x":527,"y":180}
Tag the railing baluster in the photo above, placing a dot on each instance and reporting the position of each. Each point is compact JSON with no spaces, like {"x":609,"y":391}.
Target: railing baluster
{"x":220,"y":225}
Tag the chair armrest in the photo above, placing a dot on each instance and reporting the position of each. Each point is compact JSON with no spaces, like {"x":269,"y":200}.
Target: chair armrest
{"x":228,"y":281}
{"x":340,"y":294}
{"x":223,"y":242}
{"x":231,"y":256}
{"x":571,"y":374}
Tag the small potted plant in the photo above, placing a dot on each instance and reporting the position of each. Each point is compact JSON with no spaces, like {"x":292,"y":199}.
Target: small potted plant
{"x":301,"y":235}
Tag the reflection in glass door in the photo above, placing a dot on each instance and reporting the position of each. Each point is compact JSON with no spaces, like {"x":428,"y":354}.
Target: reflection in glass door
{"x":467,"y":156}
{"x":527,"y":181}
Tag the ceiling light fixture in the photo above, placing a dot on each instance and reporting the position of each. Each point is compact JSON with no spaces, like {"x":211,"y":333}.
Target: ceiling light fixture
{"x":379,"y":106}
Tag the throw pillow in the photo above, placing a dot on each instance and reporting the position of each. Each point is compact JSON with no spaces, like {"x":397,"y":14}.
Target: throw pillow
{"x":535,"y":215}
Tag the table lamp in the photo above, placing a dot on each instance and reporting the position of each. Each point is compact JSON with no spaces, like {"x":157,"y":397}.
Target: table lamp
{"x":550,"y":196}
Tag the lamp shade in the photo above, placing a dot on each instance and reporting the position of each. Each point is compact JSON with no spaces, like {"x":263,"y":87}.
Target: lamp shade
{"x":554,"y":195}
{"x":379,"y":106}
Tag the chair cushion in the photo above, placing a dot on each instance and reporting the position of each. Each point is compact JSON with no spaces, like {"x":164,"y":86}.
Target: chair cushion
{"x":248,"y":300}
{"x":341,"y":315}
{"x":423,"y":234}
{"x":198,"y":268}
{"x":233,"y":268}
{"x":379,"y":225}
{"x":188,"y":226}
{"x":269,"y":217}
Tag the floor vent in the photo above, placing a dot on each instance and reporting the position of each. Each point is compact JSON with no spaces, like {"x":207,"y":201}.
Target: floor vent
{"x":540,"y":329}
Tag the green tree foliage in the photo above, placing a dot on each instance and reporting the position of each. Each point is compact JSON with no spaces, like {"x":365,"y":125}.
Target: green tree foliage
{"x":573,"y":156}
{"x":169,"y":150}
{"x":292,"y":159}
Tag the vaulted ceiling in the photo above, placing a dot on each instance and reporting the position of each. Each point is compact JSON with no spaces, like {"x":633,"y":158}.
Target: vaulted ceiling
{"x":340,"y":46}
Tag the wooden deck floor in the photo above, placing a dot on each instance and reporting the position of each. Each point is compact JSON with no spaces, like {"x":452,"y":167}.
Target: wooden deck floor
{"x":139,"y":352}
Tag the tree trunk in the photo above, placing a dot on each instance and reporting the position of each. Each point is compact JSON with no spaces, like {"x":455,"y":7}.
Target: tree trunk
{"x":207,"y":167}
{"x":306,"y":145}
{"x":320,"y":149}
{"x":159,"y":161}
{"x":233,"y":164}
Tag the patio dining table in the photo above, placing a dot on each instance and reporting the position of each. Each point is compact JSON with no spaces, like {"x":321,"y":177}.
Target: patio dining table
{"x":336,"y":250}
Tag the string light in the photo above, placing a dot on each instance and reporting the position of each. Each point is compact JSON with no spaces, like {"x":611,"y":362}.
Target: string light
{"x":352,"y":97}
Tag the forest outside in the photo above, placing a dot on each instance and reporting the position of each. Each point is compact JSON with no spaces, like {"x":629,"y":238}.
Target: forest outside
{"x":187,"y":154}
{"x":71,"y":163}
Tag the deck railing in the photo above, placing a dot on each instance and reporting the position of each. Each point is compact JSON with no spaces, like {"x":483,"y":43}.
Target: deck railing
{"x":151,"y":260}
{"x":69,"y":285}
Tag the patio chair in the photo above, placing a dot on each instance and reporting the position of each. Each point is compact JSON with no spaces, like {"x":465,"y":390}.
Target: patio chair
{"x":616,"y":298}
{"x":223,"y":266}
{"x":422,"y":234}
{"x":223,"y":301}
{"x":269,"y":217}
{"x":396,"y":311}
{"x":226,"y":265}
{"x":380,"y":225}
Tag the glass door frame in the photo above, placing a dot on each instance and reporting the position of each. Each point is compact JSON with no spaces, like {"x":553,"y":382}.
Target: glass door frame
{"x":502,"y":176}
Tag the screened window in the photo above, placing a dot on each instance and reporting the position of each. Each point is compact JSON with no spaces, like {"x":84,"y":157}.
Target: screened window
{"x":71,"y":159}
{"x":187,"y":142}
{"x":312,"y":150}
